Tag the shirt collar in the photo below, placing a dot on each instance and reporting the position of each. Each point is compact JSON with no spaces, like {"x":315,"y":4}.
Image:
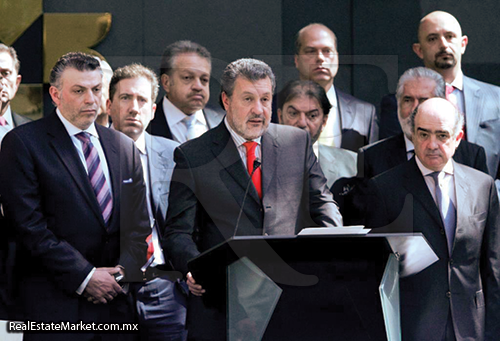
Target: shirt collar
{"x":72,"y":130}
{"x":448,"y":168}
{"x":140,"y":143}
{"x":409,"y":145}
{"x":175,"y":115}
{"x":458,"y":82}
{"x":332,"y":96}
{"x":238,"y":140}
{"x":8,"y":117}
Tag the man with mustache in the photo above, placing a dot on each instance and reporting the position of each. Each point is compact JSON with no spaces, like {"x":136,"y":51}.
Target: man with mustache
{"x":456,"y":208}
{"x":287,"y":190}
{"x":185,"y":76}
{"x":75,"y":193}
{"x":351,"y":122}
{"x":441,"y":45}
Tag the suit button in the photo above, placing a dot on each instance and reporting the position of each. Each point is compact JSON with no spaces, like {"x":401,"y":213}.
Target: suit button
{"x":448,"y":294}
{"x":451,"y":261}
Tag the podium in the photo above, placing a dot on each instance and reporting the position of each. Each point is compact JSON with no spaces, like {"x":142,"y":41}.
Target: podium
{"x":335,"y":287}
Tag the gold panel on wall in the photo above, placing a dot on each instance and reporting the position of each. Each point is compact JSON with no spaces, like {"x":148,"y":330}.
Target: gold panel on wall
{"x":17,"y":17}
{"x":29,"y":101}
{"x":66,"y":32}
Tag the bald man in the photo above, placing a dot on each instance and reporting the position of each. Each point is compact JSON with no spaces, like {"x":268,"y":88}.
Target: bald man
{"x":441,"y":45}
{"x":457,"y":210}
{"x":351,"y":122}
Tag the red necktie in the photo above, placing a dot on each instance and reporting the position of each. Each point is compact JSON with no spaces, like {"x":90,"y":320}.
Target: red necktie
{"x":3,"y":121}
{"x":257,"y":177}
{"x":449,"y":90}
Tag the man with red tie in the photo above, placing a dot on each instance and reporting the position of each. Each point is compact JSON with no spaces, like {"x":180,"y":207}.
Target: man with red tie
{"x":209,"y":183}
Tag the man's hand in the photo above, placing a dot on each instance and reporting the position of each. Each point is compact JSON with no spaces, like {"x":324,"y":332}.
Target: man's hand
{"x":195,"y":289}
{"x":102,"y":287}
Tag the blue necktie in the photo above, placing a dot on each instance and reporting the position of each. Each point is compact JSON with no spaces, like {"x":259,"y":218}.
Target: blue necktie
{"x":447,"y":210}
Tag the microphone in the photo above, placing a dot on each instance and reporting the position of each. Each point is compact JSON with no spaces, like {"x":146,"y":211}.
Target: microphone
{"x":256,"y":164}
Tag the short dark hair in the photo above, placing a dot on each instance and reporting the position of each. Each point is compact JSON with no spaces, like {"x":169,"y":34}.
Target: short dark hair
{"x":299,"y":88}
{"x":251,"y":69}
{"x":298,"y":41}
{"x":76,"y":60}
{"x":134,"y":71}
{"x":10,"y":50}
{"x":177,"y":48}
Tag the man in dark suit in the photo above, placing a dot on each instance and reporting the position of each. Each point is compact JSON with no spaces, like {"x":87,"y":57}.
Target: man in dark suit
{"x":9,"y":83}
{"x":457,"y":210}
{"x":351,"y":122}
{"x":212,"y":172}
{"x":76,"y":196}
{"x":414,"y":86}
{"x":9,"y":80}
{"x":160,"y":302}
{"x":185,"y":76}
{"x":441,"y":46}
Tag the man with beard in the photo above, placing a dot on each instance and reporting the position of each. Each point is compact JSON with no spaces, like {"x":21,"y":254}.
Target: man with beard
{"x":415,"y":86}
{"x":287,"y":188}
{"x":441,"y":46}
{"x":185,"y":76}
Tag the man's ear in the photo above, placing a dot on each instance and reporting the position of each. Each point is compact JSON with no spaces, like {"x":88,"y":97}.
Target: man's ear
{"x":165,"y":82}
{"x":464,"y":42}
{"x":153,"y":108}
{"x":280,"y":119}
{"x":54,"y":94}
{"x":418,"y":50}
{"x":225,"y":100}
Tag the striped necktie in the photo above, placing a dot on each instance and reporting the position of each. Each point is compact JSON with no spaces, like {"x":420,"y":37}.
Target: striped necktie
{"x":96,"y":176}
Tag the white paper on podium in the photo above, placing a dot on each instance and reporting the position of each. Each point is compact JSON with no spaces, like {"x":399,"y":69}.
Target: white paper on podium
{"x":415,"y":254}
{"x":343,"y":230}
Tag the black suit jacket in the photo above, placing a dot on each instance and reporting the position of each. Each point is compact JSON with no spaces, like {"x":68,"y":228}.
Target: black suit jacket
{"x":467,"y":282}
{"x":159,"y":126}
{"x":383,"y":155}
{"x":57,"y":220}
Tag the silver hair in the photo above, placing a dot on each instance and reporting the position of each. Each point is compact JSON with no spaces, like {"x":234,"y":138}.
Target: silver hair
{"x":422,"y":72}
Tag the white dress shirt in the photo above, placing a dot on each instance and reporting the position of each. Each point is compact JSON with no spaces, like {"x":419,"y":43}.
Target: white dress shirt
{"x":332,"y":132}
{"x":8,"y":127}
{"x":457,"y":96}
{"x":175,"y":122}
{"x":446,"y":181}
{"x":238,"y":141}
{"x":410,"y":148}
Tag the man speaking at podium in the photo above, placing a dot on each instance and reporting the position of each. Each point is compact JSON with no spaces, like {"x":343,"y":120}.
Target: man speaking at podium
{"x":268,"y":172}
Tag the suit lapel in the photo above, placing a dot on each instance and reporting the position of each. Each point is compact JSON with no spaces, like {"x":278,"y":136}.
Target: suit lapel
{"x":398,"y":154}
{"x":472,"y":99}
{"x":227,"y":154}
{"x":63,"y":146}
{"x":113,"y":160}
{"x":415,"y":184}
{"x":270,"y":155}
{"x":345,"y":111}
{"x":159,"y":126}
{"x":464,"y":207}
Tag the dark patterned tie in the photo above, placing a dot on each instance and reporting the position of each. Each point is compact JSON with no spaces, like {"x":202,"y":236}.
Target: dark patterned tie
{"x":96,"y":176}
{"x":447,"y":210}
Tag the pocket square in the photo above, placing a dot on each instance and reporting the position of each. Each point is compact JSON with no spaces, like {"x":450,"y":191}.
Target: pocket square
{"x":127,"y":181}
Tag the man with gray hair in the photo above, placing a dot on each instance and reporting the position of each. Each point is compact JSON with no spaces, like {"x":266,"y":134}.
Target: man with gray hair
{"x":414,"y":86}
{"x":286,"y":188}
{"x":185,"y":76}
{"x":456,"y":208}
{"x":9,"y":83}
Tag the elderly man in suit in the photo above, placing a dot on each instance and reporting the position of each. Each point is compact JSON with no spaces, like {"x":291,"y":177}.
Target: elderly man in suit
{"x":10,"y":80}
{"x":185,"y":76}
{"x":303,"y":104}
{"x":351,"y":122}
{"x":414,"y":86}
{"x":75,"y":193}
{"x":457,"y":210}
{"x":161,"y":305}
{"x":287,"y":190}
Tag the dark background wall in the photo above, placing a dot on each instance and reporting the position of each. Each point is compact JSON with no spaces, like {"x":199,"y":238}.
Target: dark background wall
{"x":374,"y":37}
